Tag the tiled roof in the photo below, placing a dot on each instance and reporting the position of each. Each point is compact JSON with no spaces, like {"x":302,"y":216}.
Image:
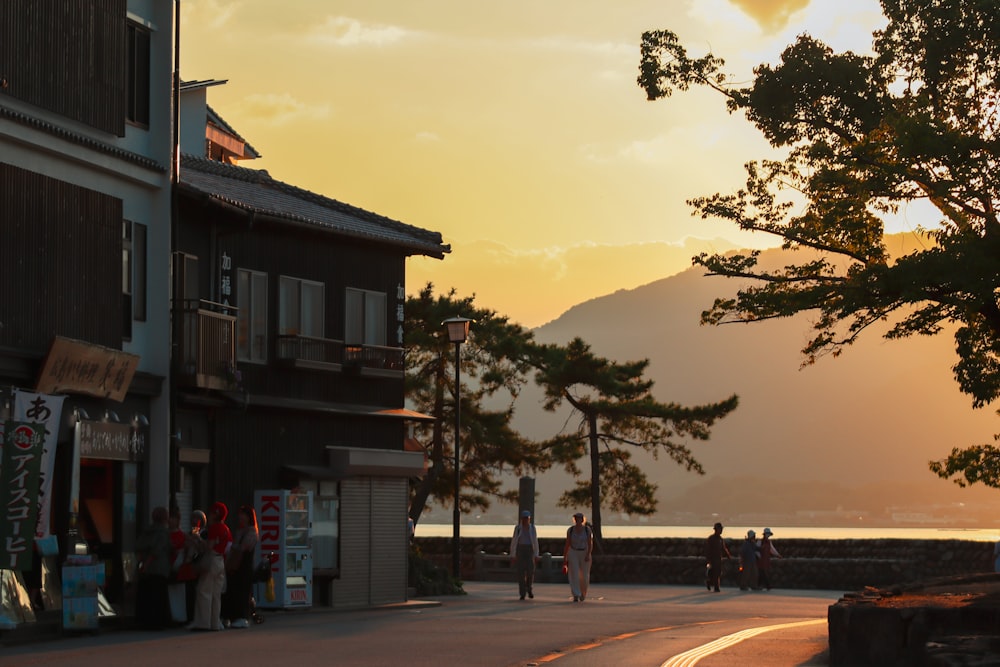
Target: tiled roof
{"x":254,"y":191}
{"x":80,"y":139}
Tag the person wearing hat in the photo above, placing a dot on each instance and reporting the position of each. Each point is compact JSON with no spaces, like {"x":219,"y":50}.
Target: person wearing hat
{"x":714,"y":551}
{"x":208,"y":605}
{"x":577,"y":555}
{"x":748,"y":562}
{"x":524,"y":553}
{"x":767,"y":550}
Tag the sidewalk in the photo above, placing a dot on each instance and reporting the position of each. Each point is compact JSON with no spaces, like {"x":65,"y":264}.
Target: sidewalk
{"x":49,"y":627}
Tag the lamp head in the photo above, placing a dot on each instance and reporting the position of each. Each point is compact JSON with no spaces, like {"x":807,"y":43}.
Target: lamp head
{"x":458,"y":328}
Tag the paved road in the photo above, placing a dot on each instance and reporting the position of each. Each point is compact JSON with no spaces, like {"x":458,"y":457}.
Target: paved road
{"x":655,"y":626}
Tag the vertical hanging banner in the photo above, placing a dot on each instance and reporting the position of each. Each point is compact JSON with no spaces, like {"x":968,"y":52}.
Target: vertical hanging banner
{"x":22,"y":457}
{"x":45,"y":410}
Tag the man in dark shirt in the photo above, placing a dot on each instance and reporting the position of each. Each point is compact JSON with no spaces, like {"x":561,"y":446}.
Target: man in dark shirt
{"x":713,"y":554}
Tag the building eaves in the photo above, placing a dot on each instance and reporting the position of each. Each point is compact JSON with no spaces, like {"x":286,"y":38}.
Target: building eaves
{"x":214,"y":117}
{"x":79,"y":139}
{"x":254,"y":191}
{"x":203,"y":83}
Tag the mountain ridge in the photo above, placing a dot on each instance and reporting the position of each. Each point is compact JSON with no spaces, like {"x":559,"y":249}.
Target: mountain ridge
{"x":871,"y":418}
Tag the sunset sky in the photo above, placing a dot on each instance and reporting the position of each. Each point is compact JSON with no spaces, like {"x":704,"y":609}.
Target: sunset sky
{"x":515,"y":129}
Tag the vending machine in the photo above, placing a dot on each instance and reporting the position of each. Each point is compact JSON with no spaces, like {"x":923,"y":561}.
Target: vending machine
{"x":284,"y":518}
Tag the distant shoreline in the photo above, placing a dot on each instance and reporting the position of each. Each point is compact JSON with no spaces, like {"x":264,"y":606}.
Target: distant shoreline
{"x":730,"y":532}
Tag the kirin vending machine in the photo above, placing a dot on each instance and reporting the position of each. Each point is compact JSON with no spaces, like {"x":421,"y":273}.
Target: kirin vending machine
{"x":284,"y":519}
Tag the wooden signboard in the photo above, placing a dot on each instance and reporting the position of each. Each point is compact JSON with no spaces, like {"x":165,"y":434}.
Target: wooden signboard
{"x":76,"y":367}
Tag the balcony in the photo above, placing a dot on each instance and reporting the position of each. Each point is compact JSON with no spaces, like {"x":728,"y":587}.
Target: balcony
{"x":335,"y":355}
{"x":206,"y":346}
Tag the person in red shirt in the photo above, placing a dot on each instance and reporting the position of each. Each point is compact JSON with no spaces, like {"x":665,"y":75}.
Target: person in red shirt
{"x":218,"y":539}
{"x":181,"y":570}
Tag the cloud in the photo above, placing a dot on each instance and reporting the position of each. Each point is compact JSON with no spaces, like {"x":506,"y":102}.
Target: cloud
{"x":427,"y":137}
{"x":620,"y":50}
{"x":539,"y":284}
{"x":212,"y":14}
{"x":771,"y":15}
{"x":344,"y":31}
{"x":281,"y":108}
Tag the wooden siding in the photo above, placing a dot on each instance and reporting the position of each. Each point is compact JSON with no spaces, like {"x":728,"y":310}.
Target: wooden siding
{"x":251,"y":446}
{"x":336,"y":262}
{"x":67,"y":56}
{"x":60,"y":262}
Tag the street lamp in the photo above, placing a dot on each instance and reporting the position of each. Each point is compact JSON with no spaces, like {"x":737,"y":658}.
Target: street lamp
{"x":458,"y":331}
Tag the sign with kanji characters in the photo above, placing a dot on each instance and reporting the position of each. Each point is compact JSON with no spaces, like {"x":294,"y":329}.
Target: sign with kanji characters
{"x":47,"y":411}
{"x":22,"y":458}
{"x":225,"y":278}
{"x":76,"y":367}
{"x":115,"y":442}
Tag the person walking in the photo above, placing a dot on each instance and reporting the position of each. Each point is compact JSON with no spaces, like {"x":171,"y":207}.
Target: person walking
{"x":577,"y":553}
{"x":239,"y":569}
{"x":764,"y":555}
{"x":152,"y":606}
{"x":714,"y":550}
{"x":208,"y":606}
{"x":524,"y":553}
{"x":748,"y":562}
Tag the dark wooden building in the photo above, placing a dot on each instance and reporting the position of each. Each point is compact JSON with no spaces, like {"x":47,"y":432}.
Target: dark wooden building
{"x":289,"y":362}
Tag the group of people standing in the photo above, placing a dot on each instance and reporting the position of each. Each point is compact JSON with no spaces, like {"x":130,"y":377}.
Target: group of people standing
{"x":202,"y":578}
{"x":754,"y":557}
{"x":578,"y":552}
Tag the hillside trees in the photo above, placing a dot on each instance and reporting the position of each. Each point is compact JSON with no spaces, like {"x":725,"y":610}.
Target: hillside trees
{"x":614,"y":412}
{"x":494,"y":367}
{"x":863,"y":136}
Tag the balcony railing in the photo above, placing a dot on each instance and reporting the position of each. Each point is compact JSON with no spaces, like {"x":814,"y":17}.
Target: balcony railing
{"x":319,"y":352}
{"x":374,"y":356}
{"x":206,"y":354}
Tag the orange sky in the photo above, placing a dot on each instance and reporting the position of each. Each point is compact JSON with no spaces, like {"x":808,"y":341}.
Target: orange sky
{"x":515,"y":129}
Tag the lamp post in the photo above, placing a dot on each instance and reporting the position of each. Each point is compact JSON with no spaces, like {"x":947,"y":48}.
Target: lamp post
{"x":458,"y":331}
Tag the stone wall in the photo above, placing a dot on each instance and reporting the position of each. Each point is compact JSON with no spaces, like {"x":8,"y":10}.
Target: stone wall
{"x":805,"y":563}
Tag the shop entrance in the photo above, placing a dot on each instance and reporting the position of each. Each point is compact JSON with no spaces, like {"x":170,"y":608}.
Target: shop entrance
{"x":108,"y":518}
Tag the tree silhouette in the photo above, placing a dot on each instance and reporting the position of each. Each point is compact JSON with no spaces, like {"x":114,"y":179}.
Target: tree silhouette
{"x":614,"y":411}
{"x":864,"y":136}
{"x":494,"y":367}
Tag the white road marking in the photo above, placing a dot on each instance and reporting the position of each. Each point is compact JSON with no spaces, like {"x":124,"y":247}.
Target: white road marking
{"x":691,"y":658}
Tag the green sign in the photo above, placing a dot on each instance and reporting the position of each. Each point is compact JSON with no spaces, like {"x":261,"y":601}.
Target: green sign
{"x":19,"y":479}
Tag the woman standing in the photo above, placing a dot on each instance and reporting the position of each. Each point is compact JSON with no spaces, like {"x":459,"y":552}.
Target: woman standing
{"x":767,"y":551}
{"x":748,"y":562}
{"x":194,"y":544}
{"x":239,"y":569}
{"x":576,"y":552}
{"x":208,"y":605}
{"x":152,"y":607}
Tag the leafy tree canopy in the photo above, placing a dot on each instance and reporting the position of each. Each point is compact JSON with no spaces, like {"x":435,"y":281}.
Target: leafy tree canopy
{"x":614,"y":412}
{"x":864,"y":135}
{"x":494,"y":367}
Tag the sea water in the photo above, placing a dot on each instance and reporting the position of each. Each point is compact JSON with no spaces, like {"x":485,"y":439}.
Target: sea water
{"x":731,"y":532}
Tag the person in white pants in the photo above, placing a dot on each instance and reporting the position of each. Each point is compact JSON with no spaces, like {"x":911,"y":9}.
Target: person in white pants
{"x":577,"y":554}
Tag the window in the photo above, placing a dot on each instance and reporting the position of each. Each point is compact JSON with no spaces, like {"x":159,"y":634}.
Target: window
{"x":133,"y":275}
{"x":300,"y":304}
{"x":365,"y":319}
{"x":139,"y":39}
{"x":126,"y":280}
{"x":251,"y":322}
{"x":138,"y":272}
